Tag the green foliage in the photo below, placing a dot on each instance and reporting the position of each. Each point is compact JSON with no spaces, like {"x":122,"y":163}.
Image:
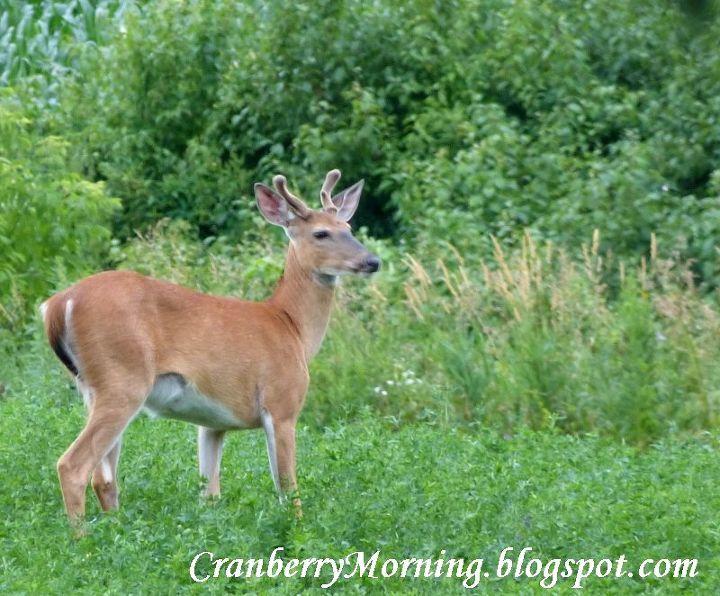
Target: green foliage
{"x":489,"y":117}
{"x":54,"y":224}
{"x":193,"y":103}
{"x":533,"y":339}
{"x":40,"y":39}
{"x":170,"y":252}
{"x":495,"y":137}
{"x":467,"y":117}
{"x":526,"y":338}
{"x":366,"y":485}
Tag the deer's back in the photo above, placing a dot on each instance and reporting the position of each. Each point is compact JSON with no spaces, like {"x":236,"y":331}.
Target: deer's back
{"x":125,"y":327}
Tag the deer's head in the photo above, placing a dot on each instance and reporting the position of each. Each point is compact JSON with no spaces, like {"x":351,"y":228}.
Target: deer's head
{"x":322,"y":239}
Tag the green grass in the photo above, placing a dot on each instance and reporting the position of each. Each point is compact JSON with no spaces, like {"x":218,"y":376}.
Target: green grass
{"x":366,"y":483}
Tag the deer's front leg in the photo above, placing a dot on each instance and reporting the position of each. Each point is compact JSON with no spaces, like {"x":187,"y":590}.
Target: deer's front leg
{"x":280,"y":435}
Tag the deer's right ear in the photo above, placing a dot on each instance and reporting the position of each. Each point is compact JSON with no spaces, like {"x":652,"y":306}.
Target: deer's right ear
{"x":273,"y":207}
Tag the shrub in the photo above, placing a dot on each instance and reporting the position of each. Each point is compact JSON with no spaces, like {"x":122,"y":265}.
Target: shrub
{"x":467,"y":120}
{"x":54,"y":224}
{"x":494,"y":136}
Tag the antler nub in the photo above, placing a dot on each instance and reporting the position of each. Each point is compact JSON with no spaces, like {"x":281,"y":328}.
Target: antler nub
{"x":330,"y":181}
{"x":298,"y":206}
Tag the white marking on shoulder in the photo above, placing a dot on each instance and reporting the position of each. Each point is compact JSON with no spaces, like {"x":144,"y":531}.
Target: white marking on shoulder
{"x":43,"y":310}
{"x":172,"y":397}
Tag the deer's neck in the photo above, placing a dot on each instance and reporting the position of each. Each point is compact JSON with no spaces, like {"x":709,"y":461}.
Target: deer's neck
{"x":307,"y":299}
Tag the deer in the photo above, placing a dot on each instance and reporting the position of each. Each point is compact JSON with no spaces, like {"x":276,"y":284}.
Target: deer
{"x":134,"y":343}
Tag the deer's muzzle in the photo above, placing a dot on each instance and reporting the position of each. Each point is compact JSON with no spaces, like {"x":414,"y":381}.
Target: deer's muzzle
{"x":372,"y":264}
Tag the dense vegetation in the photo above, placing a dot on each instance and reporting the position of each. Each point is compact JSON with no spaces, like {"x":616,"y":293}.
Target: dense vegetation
{"x":521,"y":160}
{"x":543,"y":185}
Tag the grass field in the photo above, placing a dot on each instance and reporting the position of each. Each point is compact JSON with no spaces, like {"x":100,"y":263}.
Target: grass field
{"x":535,"y":366}
{"x":367,"y":485}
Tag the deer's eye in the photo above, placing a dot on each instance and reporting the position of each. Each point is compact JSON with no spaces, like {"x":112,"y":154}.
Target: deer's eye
{"x":321,"y":234}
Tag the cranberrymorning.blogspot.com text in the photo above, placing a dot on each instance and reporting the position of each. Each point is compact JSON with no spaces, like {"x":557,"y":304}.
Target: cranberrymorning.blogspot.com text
{"x":510,"y":564}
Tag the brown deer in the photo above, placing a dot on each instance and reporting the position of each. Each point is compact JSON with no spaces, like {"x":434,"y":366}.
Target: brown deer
{"x":133,"y":342}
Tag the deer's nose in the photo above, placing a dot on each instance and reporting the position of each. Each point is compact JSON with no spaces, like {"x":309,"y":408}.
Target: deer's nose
{"x":372,"y":263}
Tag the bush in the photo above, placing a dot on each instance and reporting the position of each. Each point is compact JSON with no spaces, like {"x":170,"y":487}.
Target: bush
{"x":54,"y":224}
{"x":474,"y":117}
{"x":170,"y":251}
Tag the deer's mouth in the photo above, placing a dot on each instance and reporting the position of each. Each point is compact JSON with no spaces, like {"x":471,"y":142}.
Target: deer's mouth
{"x":364,"y":268}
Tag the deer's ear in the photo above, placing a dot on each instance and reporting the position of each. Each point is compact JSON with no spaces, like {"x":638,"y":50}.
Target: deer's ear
{"x":273,"y":207}
{"x":347,"y":201}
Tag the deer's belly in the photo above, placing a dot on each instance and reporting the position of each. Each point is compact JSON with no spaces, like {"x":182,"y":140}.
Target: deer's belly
{"x":173,"y":397}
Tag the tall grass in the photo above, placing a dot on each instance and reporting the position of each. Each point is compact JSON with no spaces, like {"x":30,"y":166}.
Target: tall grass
{"x":531,"y":337}
{"x":538,"y":338}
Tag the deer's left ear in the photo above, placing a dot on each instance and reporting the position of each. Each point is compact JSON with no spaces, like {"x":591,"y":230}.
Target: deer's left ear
{"x":273,"y":207}
{"x":347,"y":200}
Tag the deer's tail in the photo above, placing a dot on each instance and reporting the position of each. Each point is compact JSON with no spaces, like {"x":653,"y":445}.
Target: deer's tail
{"x":56,"y":314}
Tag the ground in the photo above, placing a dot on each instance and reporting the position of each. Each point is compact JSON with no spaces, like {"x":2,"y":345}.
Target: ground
{"x":367,"y":485}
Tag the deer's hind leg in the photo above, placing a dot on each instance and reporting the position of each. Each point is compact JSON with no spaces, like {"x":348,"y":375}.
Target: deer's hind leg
{"x":112,"y":407}
{"x":104,"y":478}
